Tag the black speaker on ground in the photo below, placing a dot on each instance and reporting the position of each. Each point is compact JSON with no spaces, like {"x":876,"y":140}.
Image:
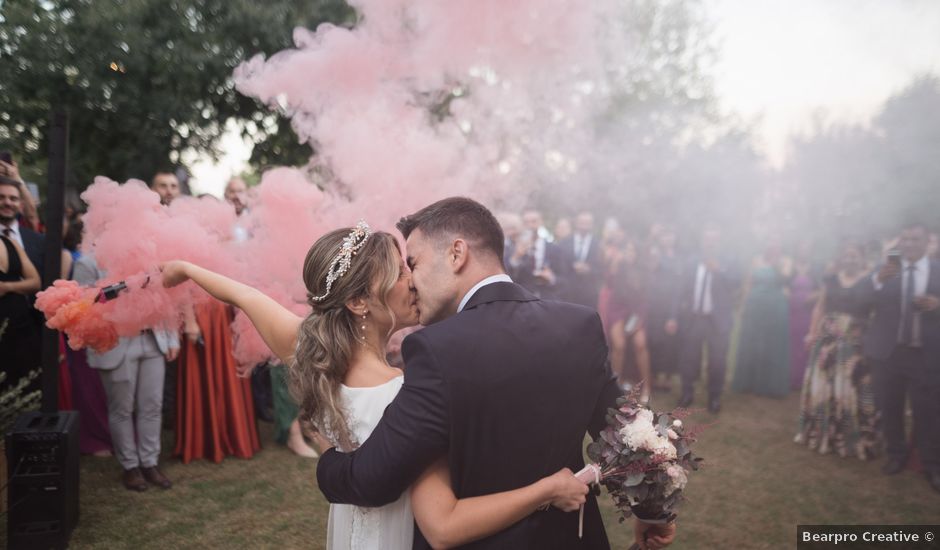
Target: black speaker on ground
{"x":42,"y":497}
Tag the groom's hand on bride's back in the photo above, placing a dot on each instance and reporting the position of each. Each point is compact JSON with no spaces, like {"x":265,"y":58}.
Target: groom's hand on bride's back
{"x":568,"y":493}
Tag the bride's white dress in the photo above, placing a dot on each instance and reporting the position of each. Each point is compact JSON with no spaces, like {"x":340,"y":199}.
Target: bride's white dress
{"x":390,"y":527}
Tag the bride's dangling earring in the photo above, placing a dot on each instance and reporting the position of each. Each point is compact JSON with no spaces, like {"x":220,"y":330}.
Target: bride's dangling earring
{"x":362,"y":328}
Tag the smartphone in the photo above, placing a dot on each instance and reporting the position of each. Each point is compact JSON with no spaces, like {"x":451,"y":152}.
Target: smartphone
{"x":34,"y":191}
{"x":6,"y":157}
{"x":631,"y":324}
{"x":894,"y":257}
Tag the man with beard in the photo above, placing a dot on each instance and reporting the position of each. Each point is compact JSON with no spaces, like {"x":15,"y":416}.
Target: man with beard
{"x":167,"y":185}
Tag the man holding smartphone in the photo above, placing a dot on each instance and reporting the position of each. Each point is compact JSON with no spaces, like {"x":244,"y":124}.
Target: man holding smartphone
{"x":18,"y":217}
{"x":28,"y":211}
{"x":903,"y":343}
{"x":536,"y":263}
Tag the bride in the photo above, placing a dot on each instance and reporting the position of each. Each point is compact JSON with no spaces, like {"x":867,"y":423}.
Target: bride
{"x":359,"y":289}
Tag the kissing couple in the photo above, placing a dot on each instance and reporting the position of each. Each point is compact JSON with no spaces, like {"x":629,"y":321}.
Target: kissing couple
{"x":474,"y":444}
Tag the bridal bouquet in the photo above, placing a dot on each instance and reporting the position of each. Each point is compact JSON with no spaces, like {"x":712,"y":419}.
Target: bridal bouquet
{"x":643,"y":459}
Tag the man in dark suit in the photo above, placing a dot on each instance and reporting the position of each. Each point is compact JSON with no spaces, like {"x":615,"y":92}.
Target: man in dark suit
{"x":34,"y":243}
{"x":583,"y":248}
{"x":511,"y":225}
{"x":903,"y":343}
{"x":503,"y":384}
{"x":31,"y":241}
{"x":703,"y":316}
{"x":538,"y":264}
{"x":662,"y":291}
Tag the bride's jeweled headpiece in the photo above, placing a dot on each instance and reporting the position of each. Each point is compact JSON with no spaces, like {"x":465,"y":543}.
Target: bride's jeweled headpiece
{"x":340,"y":265}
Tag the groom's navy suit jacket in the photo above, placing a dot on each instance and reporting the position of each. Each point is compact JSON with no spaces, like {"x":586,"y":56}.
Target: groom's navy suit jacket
{"x":506,"y":389}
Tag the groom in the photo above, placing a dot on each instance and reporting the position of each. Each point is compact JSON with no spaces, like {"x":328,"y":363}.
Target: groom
{"x":502,"y":383}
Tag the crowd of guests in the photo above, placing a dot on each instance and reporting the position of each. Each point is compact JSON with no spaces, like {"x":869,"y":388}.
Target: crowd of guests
{"x":664,"y":313}
{"x":857,"y":334}
{"x":166,"y":378}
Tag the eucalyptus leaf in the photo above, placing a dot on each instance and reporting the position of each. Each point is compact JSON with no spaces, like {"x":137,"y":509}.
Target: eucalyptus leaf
{"x":633,"y":480}
{"x":663,"y":421}
{"x":682,"y":448}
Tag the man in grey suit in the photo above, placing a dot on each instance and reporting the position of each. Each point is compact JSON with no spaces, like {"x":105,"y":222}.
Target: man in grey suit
{"x":903,"y":343}
{"x":132,"y":374}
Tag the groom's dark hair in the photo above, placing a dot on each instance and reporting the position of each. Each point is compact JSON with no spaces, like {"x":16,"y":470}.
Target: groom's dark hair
{"x":457,"y":216}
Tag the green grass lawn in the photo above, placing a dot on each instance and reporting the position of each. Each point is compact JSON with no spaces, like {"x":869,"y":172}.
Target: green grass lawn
{"x":756,"y":487}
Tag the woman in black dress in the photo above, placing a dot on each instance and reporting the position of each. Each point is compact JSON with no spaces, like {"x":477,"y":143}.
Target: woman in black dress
{"x":19,"y":339}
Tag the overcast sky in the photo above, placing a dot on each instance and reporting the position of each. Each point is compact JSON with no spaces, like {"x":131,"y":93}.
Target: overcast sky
{"x":787,"y":60}
{"x":782,"y":62}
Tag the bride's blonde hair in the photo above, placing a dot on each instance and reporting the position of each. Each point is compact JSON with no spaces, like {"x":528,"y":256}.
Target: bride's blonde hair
{"x":329,"y":335}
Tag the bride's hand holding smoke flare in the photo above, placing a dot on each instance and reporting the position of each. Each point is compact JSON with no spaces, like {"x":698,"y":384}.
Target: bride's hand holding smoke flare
{"x":173,"y":273}
{"x":87,"y":314}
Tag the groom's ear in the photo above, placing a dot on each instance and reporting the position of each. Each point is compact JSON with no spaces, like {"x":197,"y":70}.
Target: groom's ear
{"x":458,"y":255}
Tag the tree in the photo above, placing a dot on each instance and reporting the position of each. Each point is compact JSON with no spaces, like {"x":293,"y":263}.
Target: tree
{"x":910,"y":126}
{"x":660,"y":150}
{"x":868,"y":180}
{"x":142,"y":80}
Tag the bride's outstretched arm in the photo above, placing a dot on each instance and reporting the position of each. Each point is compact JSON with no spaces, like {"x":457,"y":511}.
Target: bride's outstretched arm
{"x":446,"y":521}
{"x":277,"y":325}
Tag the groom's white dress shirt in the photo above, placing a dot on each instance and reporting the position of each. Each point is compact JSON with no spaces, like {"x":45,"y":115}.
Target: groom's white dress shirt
{"x":501,"y":278}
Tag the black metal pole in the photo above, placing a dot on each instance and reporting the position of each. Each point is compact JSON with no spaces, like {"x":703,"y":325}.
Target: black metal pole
{"x":55,"y":208}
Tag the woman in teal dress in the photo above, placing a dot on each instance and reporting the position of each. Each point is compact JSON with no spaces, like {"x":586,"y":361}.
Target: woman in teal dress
{"x":762,"y":364}
{"x":286,"y":426}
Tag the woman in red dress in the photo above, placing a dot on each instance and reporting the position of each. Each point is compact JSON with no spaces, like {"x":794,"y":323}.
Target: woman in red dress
{"x":215,"y":414}
{"x":623,"y":309}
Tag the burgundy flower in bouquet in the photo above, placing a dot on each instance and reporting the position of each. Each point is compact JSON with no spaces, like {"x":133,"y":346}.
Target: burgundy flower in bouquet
{"x":643,"y":458}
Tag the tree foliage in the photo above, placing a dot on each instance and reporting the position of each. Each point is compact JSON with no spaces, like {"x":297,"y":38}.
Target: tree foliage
{"x":142,"y":80}
{"x":868,"y":180}
{"x":662,"y":150}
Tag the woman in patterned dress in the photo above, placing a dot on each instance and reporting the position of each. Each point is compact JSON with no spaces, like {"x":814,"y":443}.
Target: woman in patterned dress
{"x":837,"y":410}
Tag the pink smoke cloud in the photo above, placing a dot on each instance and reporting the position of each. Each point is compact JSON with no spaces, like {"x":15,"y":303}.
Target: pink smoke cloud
{"x":422,"y":99}
{"x":70,"y":308}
